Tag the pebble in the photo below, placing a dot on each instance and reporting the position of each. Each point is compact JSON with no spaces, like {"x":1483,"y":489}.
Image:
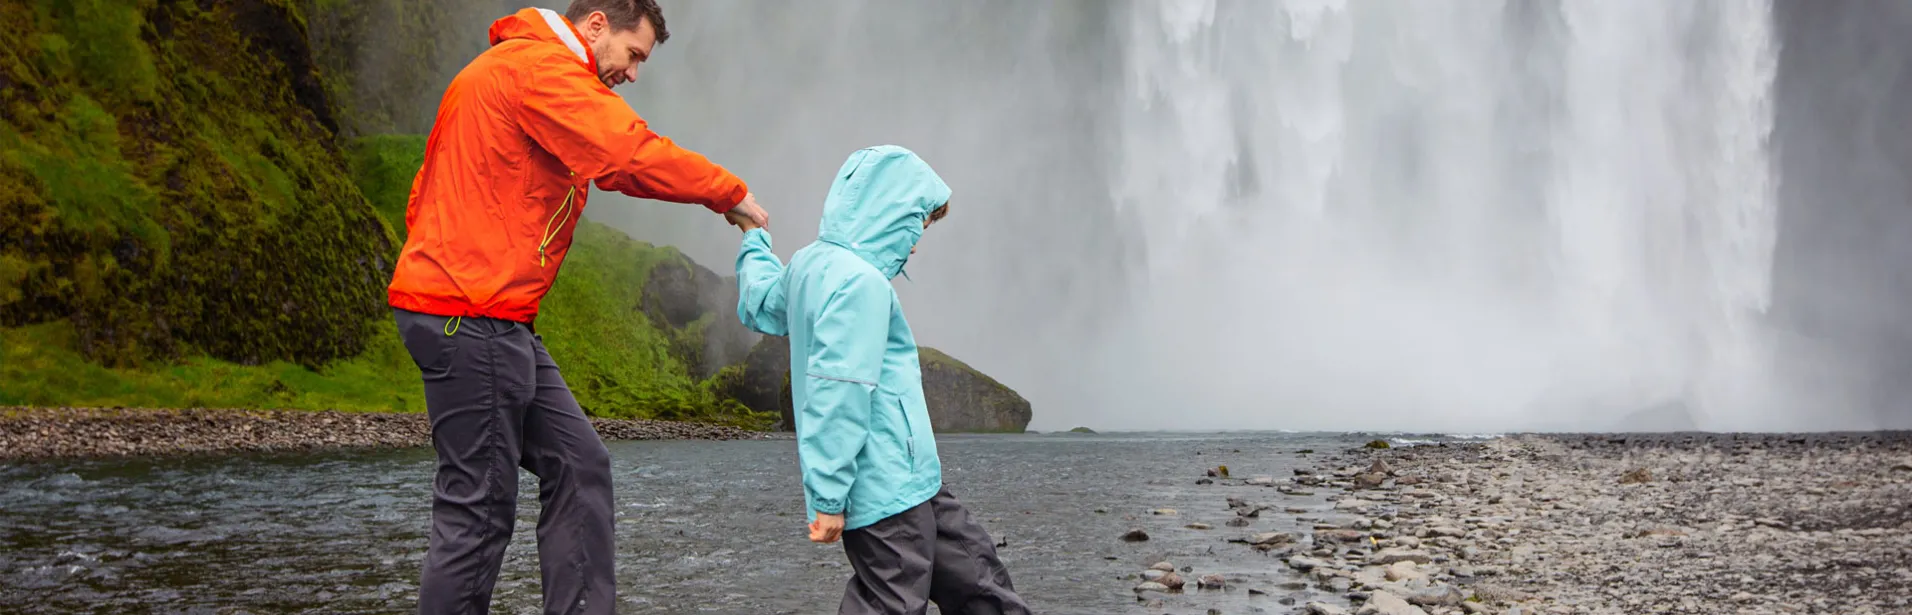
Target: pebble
{"x":28,"y":434}
{"x":1682,"y":523}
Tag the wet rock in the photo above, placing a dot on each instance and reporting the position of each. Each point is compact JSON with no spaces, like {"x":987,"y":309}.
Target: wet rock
{"x":1135,"y":535}
{"x":1328,"y":537}
{"x":1150,"y":586}
{"x":1163,"y":567}
{"x":1173,"y":581}
{"x":1211,"y":581}
{"x":1389,"y":556}
{"x":1305,"y":563}
{"x":1322,"y":608}
{"x":1437,"y":596}
{"x":1385,"y":603}
{"x":1198,"y":526}
{"x":1165,"y":512}
{"x":1404,"y":571}
{"x":1380,"y":444}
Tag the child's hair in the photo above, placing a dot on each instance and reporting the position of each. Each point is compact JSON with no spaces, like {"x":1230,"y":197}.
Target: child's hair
{"x":936,"y":215}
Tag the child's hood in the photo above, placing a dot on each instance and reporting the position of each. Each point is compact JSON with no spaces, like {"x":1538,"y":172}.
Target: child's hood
{"x":878,"y":203}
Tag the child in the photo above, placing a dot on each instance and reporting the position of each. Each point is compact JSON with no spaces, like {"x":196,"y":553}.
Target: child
{"x":870,"y":470}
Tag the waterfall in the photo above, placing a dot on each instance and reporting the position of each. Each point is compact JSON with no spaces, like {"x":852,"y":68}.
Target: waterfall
{"x":1195,"y":214}
{"x":1449,"y":215}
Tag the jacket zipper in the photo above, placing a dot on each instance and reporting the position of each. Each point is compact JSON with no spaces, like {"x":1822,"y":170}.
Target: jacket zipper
{"x":561,"y":218}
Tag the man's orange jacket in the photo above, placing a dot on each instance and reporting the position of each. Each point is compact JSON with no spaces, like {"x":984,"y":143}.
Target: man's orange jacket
{"x":519,"y":137}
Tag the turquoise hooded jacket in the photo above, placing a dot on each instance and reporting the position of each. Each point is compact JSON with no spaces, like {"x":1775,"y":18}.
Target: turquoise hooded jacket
{"x":863,"y":432}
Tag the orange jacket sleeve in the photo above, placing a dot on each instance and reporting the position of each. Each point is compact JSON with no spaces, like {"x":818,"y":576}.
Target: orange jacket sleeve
{"x":566,"y":110}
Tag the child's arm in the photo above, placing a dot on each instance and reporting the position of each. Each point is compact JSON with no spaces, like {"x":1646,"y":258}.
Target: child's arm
{"x":843,"y":361}
{"x":760,"y":297}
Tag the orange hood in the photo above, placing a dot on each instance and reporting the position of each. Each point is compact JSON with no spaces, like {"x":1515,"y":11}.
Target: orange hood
{"x":543,"y":26}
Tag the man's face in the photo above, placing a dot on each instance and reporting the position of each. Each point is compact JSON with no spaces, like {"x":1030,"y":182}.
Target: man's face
{"x":619,"y":52}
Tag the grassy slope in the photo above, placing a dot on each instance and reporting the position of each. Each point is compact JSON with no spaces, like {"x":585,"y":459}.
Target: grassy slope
{"x":614,"y":360}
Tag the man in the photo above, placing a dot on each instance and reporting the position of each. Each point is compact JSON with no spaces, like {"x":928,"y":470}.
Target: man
{"x":871,"y":475}
{"x":520,"y":135}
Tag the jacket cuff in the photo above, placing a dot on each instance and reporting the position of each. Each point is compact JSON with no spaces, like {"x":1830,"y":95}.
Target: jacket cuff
{"x":729,"y":201}
{"x":827,"y":506}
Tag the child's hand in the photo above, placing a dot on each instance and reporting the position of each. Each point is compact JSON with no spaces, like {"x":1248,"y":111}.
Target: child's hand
{"x":741,"y":221}
{"x":747,"y":215}
{"x":826,"y":529}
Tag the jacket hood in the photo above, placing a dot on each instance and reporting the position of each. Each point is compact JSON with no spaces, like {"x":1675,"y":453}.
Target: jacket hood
{"x":878,"y":203}
{"x":544,"y":26}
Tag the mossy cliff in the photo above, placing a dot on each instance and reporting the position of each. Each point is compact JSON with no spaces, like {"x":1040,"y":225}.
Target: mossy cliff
{"x":170,"y":186}
{"x":184,"y":224}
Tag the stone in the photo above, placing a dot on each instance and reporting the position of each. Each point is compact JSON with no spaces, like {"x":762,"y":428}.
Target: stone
{"x":960,"y":398}
{"x":1322,"y":608}
{"x":1135,"y":535}
{"x":1389,"y":556}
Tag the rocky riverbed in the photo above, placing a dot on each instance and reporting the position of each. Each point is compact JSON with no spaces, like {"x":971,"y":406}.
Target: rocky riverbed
{"x":1600,"y":524}
{"x":49,"y":433}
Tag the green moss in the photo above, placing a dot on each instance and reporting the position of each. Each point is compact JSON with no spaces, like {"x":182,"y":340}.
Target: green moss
{"x":174,"y":190}
{"x":110,"y":56}
{"x":616,"y":362}
{"x":384,"y":166}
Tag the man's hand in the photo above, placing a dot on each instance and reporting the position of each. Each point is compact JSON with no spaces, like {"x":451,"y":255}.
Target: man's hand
{"x":748,"y":209}
{"x":826,"y":529}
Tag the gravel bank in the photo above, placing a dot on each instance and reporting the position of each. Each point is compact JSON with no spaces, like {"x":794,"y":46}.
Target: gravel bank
{"x":1608,"y":524}
{"x":49,"y":433}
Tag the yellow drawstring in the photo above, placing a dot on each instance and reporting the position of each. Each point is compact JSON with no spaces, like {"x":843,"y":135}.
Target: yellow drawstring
{"x":451,"y":326}
{"x":564,"y":211}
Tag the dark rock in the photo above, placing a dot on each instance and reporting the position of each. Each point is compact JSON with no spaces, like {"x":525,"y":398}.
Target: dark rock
{"x":1135,"y":535}
{"x":1377,"y":444}
{"x":701,"y":306}
{"x":960,"y":398}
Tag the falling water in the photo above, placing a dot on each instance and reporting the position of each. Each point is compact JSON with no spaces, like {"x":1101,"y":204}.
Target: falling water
{"x":1195,"y":214}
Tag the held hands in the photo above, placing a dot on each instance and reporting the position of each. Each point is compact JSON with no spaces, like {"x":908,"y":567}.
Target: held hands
{"x":748,"y":214}
{"x":826,"y":529}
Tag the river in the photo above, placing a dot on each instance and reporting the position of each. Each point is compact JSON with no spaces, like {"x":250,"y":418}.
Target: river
{"x":703,"y":527}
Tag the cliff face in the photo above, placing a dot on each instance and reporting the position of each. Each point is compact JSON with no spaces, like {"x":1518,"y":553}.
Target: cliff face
{"x":170,"y":183}
{"x":960,"y":398}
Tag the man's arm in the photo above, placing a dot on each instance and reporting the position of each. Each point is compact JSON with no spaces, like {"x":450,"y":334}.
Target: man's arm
{"x":844,"y":359}
{"x":760,"y":297}
{"x":567,"y":111}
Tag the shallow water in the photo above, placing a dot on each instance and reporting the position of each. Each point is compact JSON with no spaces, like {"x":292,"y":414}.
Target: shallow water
{"x":703,"y":527}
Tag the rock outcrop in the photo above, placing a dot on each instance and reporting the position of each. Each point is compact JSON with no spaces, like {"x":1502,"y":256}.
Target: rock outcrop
{"x":960,"y":398}
{"x":700,"y":307}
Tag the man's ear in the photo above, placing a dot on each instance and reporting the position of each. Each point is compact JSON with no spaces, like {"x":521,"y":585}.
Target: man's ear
{"x":593,"y":27}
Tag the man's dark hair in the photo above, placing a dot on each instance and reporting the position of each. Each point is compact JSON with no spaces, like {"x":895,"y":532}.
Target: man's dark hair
{"x":623,"y":14}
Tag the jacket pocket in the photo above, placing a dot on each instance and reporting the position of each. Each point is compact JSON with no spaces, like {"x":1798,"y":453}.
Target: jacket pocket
{"x":430,"y":340}
{"x":909,"y":431}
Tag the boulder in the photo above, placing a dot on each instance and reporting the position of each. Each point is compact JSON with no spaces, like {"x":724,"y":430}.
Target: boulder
{"x":960,"y":398}
{"x":700,"y":307}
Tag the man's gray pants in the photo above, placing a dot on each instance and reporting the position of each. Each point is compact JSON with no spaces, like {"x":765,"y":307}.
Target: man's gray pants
{"x":933,"y":552}
{"x":497,"y":403}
